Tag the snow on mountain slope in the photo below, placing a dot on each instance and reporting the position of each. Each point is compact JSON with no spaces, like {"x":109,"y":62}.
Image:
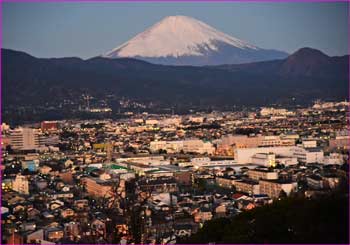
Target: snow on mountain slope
{"x":181,"y":36}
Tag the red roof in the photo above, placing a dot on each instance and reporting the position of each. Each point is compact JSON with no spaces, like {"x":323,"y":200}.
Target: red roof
{"x":237,"y":195}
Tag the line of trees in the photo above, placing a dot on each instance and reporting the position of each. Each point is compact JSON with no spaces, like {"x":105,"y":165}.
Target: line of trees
{"x":291,"y":220}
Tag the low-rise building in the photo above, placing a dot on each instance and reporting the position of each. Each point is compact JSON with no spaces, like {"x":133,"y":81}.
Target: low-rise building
{"x":97,"y":187}
{"x":245,"y":155}
{"x":264,"y":159}
{"x":308,"y":155}
{"x":259,"y":173}
{"x":225,"y":182}
{"x":273,"y":188}
{"x":247,"y":186}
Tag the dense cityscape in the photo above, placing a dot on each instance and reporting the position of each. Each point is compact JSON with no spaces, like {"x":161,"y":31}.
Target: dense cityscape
{"x":162,"y":178}
{"x":156,"y":122}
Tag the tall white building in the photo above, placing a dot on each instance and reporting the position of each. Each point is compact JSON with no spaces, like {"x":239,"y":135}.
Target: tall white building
{"x":30,"y":139}
{"x":24,"y":138}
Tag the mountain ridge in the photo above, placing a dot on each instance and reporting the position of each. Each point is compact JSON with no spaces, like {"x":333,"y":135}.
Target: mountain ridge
{"x":33,"y":82}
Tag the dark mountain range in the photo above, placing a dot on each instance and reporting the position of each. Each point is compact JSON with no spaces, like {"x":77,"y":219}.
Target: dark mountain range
{"x":304,"y":76}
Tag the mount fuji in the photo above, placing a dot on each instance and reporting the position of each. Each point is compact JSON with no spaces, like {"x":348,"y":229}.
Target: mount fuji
{"x":182,"y":40}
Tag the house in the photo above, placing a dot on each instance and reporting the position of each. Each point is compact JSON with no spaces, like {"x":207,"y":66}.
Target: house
{"x":183,"y":230}
{"x":202,"y":214}
{"x":67,"y":212}
{"x":72,"y":229}
{"x":246,"y":204}
{"x":122,"y":227}
{"x":28,"y":226}
{"x":17,"y":208}
{"x":45,"y":169}
{"x":221,"y":210}
{"x":331,"y":182}
{"x":47,"y":215}
{"x":81,"y":204}
{"x":98,"y":227}
{"x":53,"y":205}
{"x":54,"y":234}
{"x":68,"y":163}
{"x":15,"y":199}
{"x":35,"y":236}
{"x":238,"y":196}
{"x":262,"y":199}
{"x":314,"y":182}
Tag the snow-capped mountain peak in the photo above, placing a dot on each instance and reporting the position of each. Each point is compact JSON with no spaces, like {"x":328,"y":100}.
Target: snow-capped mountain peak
{"x":183,"y":40}
{"x":176,"y":36}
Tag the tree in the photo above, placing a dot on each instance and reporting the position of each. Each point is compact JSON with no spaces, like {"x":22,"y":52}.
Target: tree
{"x":201,"y":184}
{"x":9,"y":149}
{"x":162,"y":151}
{"x":279,"y":166}
{"x":345,"y":167}
{"x":282,"y":194}
{"x":130,"y":149}
{"x":291,"y":220}
{"x":136,"y":223}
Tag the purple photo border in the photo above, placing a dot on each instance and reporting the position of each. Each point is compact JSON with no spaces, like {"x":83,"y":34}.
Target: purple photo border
{"x":189,"y":1}
{"x":160,"y":1}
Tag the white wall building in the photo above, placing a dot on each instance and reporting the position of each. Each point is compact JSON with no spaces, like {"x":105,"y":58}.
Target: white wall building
{"x":206,"y":161}
{"x":286,"y":161}
{"x":309,"y":143}
{"x":245,"y":155}
{"x":151,"y":122}
{"x":264,"y":159}
{"x":258,"y":174}
{"x":276,"y":141}
{"x":197,"y":146}
{"x":253,"y":155}
{"x":308,"y":155}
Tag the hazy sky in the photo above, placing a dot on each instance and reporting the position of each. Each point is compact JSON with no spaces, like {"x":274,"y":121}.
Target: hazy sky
{"x":89,"y":29}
